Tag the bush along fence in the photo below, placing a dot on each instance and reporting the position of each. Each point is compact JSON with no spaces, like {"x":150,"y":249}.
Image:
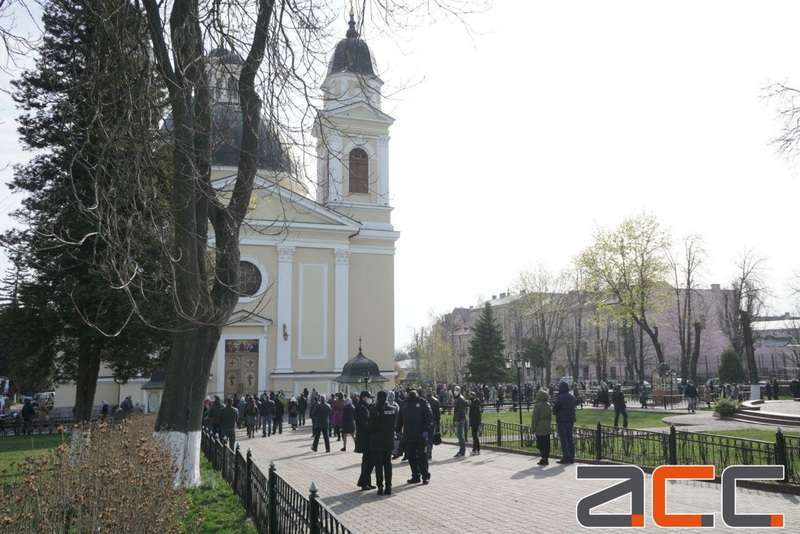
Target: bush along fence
{"x":650,"y":449}
{"x":273,"y":504}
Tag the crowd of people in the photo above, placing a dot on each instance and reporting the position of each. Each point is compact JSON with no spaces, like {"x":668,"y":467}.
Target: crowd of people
{"x":406,"y":421}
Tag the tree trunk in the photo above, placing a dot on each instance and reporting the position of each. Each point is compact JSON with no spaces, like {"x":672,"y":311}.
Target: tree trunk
{"x":749,"y":351}
{"x":180,"y":415}
{"x":547,"y":365}
{"x":641,"y":354}
{"x":695,"y":352}
{"x":86,"y":385}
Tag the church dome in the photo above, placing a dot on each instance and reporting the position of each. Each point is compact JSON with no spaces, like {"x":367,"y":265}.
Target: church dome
{"x":359,"y":367}
{"x":228,"y":57}
{"x":226,"y":140}
{"x":351,"y":54}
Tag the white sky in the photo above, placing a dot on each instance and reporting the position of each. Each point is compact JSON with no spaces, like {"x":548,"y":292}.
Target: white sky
{"x":512,"y":146}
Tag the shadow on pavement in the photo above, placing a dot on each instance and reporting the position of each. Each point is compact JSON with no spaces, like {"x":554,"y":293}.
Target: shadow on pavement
{"x":539,"y":471}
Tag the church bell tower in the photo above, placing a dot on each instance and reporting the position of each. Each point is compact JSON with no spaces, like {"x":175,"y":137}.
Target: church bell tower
{"x":353,"y":134}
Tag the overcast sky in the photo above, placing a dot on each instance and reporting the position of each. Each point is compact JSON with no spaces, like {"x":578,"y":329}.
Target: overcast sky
{"x":514,"y":143}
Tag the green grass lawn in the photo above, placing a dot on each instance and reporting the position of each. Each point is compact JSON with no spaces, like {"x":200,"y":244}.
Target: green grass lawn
{"x":589,"y":417}
{"x":214,"y":507}
{"x":14,"y":449}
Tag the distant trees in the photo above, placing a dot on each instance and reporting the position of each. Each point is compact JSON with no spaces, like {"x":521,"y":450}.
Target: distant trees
{"x":487,"y":361}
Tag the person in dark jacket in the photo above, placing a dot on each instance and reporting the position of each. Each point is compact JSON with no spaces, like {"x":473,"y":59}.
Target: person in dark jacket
{"x":362,"y":441}
{"x":320,"y":420}
{"x":277,"y":421}
{"x":690,"y":391}
{"x":214,"y":416}
{"x":228,"y":420}
{"x":348,"y":422}
{"x":266,"y":411}
{"x":564,"y":410}
{"x":460,"y":420}
{"x":28,"y":414}
{"x":436,"y":414}
{"x":415,"y":423}
{"x":302,"y":406}
{"x":475,"y":411}
{"x":794,"y":388}
{"x":776,"y":389}
{"x":618,"y":400}
{"x":382,"y":420}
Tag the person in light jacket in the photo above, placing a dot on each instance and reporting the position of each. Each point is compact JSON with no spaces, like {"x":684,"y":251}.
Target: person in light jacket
{"x":541,"y":424}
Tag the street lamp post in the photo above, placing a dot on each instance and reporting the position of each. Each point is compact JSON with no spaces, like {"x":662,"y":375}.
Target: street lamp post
{"x":519,"y":364}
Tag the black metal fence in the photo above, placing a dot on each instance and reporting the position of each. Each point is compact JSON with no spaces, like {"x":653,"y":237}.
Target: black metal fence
{"x":273,"y":504}
{"x":650,"y":449}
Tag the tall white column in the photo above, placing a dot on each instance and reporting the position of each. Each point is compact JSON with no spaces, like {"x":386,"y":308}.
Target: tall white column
{"x":383,"y":170}
{"x":335,"y":167}
{"x":220,"y":387}
{"x":341,"y":298}
{"x":262,"y":361}
{"x":284,"y":325}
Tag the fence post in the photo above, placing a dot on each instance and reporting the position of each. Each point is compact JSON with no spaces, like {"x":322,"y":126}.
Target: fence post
{"x":313,"y":510}
{"x":224,"y":456}
{"x":248,"y":492}
{"x":272,"y":500}
{"x":236,"y":475}
{"x":598,"y":442}
{"x":673,"y":446}
{"x":499,"y":434}
{"x":780,"y":453}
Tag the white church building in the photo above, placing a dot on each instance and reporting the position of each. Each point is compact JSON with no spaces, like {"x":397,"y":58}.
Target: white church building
{"x":317,"y":273}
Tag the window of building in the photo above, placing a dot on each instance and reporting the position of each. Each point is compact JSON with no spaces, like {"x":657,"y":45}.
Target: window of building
{"x":585,"y":371}
{"x":359,"y":171}
{"x":613,"y":371}
{"x":249,"y":279}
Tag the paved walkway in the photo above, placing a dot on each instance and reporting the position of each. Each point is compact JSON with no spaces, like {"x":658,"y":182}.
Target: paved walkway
{"x":494,"y":492}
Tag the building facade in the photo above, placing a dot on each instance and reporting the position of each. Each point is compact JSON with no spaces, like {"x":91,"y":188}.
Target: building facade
{"x":317,"y":274}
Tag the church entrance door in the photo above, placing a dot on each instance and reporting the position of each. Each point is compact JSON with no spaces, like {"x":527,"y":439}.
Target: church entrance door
{"x":241,"y":366}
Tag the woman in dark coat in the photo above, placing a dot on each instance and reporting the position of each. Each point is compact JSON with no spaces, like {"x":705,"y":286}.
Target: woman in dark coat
{"x":475,"y":410}
{"x":348,"y":421}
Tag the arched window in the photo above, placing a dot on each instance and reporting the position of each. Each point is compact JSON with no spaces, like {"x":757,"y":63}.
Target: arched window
{"x":359,"y":171}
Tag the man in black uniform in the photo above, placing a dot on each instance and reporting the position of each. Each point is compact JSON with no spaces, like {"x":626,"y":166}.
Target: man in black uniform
{"x":362,"y":441}
{"x":415,"y":423}
{"x":382,"y":418}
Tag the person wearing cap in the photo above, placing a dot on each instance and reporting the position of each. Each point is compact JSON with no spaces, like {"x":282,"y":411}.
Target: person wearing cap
{"x":382,"y":417}
{"x":415,"y":423}
{"x":362,"y":441}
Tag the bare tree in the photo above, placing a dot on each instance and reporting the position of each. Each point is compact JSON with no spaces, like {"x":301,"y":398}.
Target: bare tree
{"x":740,"y":306}
{"x":544,"y":302}
{"x":684,"y":271}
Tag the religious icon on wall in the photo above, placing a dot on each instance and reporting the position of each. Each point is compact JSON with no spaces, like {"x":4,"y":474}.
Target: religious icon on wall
{"x":241,"y":363}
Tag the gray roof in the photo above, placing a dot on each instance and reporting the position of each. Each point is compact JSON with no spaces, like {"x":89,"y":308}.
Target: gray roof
{"x":351,"y":54}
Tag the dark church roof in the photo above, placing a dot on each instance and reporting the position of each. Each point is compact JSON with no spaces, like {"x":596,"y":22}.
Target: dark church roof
{"x":226,"y":139}
{"x":229,"y":57}
{"x":358,"y":367}
{"x":351,"y":54}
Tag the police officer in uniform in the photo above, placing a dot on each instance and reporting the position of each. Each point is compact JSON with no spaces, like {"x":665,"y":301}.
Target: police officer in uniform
{"x":415,"y":423}
{"x":382,"y":417}
{"x":362,"y":441}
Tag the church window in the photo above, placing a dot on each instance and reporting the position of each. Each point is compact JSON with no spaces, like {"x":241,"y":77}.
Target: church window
{"x":359,"y":171}
{"x":249,"y":279}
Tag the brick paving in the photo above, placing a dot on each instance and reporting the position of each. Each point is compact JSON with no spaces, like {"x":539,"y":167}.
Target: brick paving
{"x":493,"y":492}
